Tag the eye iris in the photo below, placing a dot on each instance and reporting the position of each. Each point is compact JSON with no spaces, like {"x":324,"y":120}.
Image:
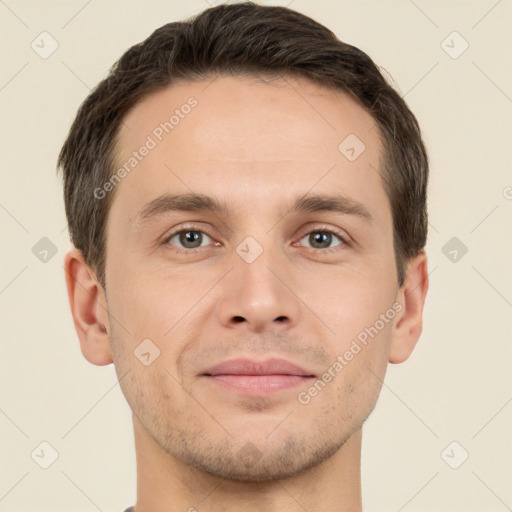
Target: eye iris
{"x":192,"y":237}
{"x":320,"y":239}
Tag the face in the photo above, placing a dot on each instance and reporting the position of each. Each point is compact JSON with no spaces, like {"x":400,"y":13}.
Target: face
{"x":291,"y":266}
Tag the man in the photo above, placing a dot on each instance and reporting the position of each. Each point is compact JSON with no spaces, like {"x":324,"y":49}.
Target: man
{"x":246,"y":195}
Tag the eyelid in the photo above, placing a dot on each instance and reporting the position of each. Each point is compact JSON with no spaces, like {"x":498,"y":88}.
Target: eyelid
{"x":186,"y":227}
{"x":344,"y":237}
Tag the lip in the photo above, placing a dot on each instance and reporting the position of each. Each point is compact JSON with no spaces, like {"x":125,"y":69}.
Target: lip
{"x":251,"y":377}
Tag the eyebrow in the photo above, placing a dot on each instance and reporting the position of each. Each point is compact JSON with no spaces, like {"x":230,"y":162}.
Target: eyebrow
{"x":307,"y":203}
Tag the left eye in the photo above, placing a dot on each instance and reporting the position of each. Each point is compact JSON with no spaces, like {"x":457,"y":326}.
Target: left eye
{"x":189,"y":238}
{"x":322,"y":239}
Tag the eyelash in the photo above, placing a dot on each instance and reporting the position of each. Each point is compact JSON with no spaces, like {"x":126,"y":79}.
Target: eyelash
{"x":322,"y":229}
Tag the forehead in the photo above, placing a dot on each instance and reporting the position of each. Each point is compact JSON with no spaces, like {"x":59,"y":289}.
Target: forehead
{"x":247,"y":139}
{"x":246,"y":111}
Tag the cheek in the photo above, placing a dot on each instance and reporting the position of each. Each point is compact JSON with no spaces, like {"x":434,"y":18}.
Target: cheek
{"x":348,"y":302}
{"x":150,"y":304}
{"x":168,"y":302}
{"x":361,"y":315}
{"x":364,"y":366}
{"x":164,"y":309}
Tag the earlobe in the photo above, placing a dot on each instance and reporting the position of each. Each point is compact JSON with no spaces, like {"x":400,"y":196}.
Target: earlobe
{"x":408,"y":326}
{"x":89,"y":309}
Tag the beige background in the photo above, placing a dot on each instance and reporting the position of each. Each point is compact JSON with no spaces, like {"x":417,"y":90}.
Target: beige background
{"x":457,"y":385}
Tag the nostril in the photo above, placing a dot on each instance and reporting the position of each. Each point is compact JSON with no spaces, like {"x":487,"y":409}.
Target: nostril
{"x":281,"y":318}
{"x":239,"y":319}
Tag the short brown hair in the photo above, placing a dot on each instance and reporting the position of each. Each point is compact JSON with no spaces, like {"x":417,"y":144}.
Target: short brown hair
{"x":238,"y":39}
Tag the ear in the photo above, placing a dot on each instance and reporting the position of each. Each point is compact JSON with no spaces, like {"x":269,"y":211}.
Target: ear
{"x":411,"y":296}
{"x":89,"y":309}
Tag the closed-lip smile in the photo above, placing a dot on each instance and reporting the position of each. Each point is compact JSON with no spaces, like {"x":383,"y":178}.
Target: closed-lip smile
{"x":252,"y":377}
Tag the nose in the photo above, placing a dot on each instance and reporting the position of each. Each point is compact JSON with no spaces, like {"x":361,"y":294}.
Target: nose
{"x":259,"y":296}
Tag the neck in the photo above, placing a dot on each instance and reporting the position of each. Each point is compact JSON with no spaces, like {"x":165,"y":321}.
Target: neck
{"x":166,"y":484}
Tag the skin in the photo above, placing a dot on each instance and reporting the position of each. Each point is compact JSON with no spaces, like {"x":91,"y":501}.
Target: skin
{"x":255,"y":146}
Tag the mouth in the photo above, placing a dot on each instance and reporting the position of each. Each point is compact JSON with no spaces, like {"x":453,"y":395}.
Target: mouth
{"x":257,"y":378}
